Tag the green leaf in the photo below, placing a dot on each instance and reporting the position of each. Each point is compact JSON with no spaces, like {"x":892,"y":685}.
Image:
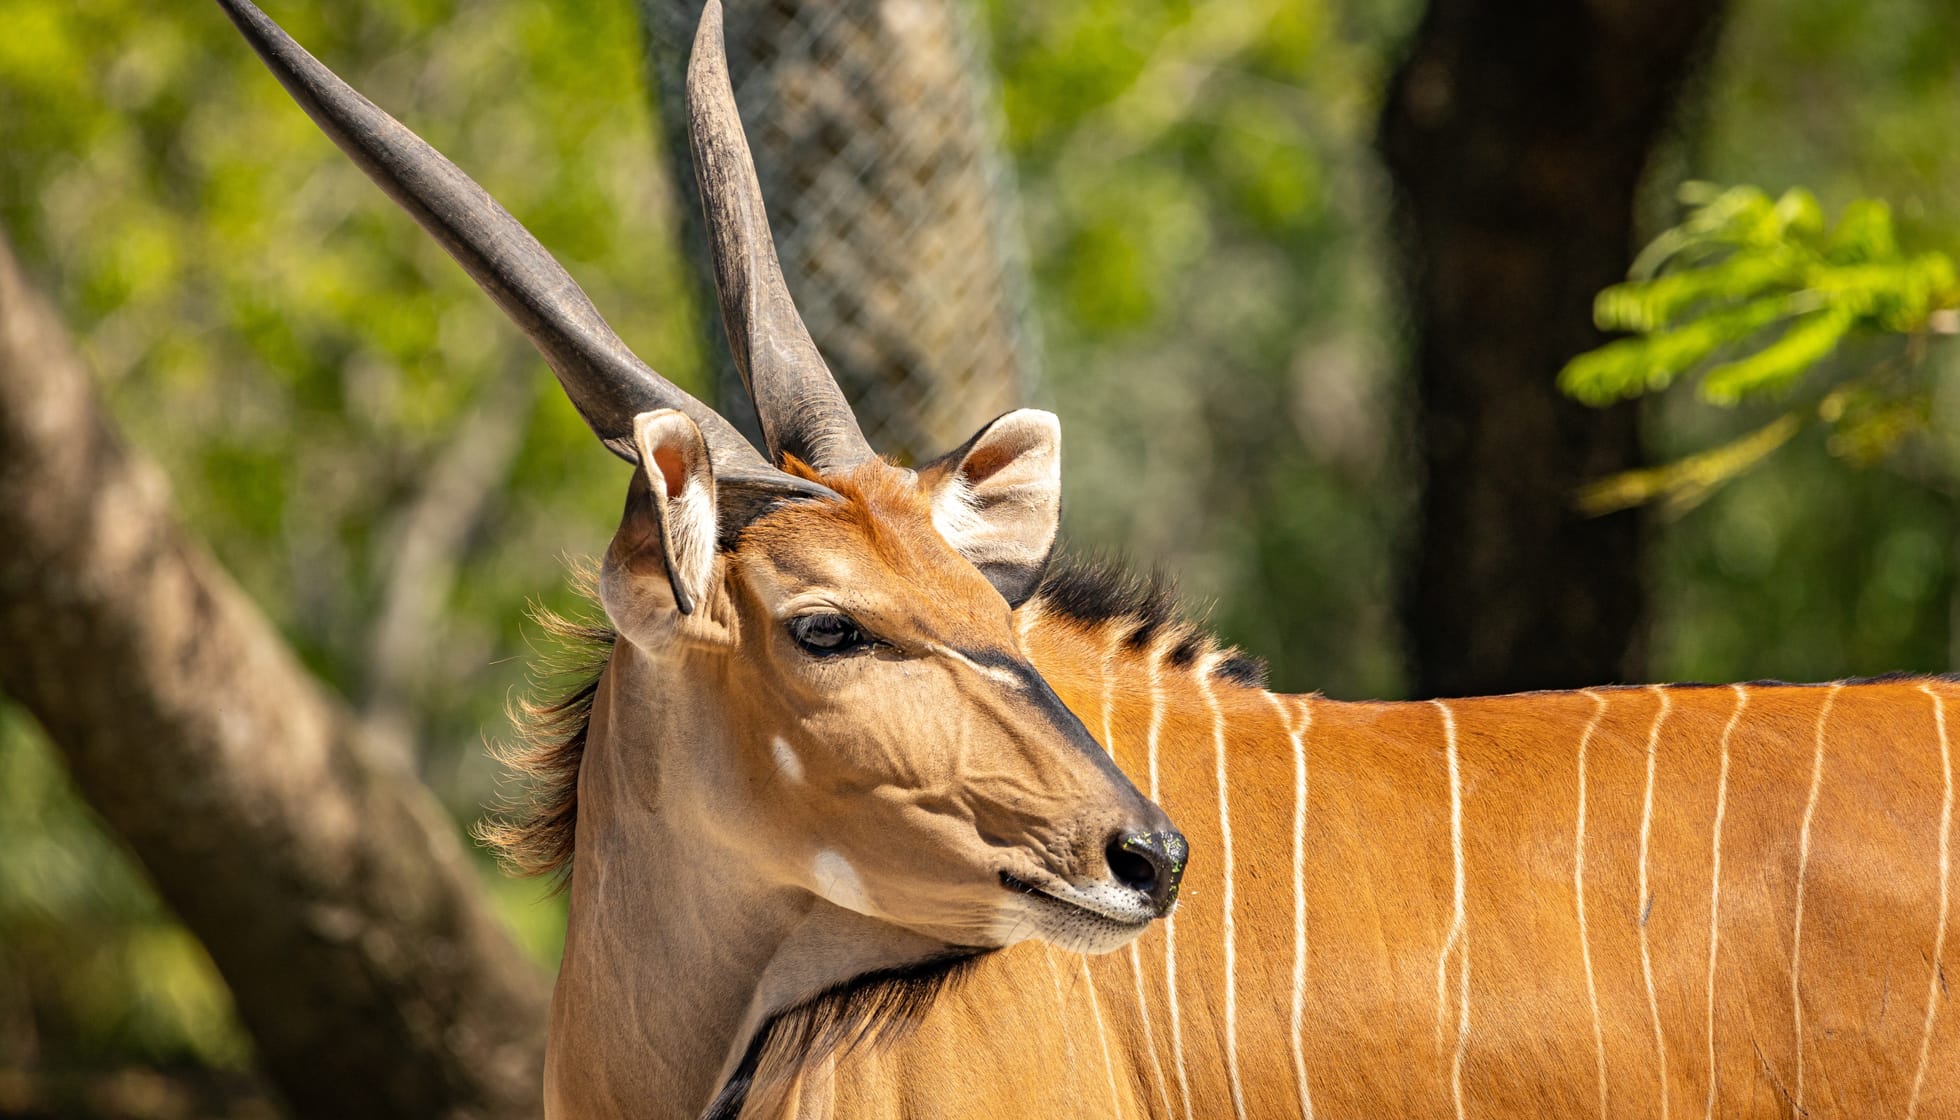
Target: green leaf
{"x":1704,"y":292}
{"x":1686,"y":482}
{"x":1633,"y":366}
{"x":1781,"y":362}
{"x":1661,"y":302}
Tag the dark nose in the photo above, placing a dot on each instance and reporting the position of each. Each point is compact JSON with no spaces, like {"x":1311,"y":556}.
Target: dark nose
{"x":1150,"y":863}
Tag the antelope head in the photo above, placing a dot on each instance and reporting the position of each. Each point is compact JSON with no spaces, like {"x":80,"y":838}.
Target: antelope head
{"x":817,"y":650}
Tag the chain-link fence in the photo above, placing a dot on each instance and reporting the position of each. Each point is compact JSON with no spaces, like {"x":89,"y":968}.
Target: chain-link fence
{"x":875,"y":130}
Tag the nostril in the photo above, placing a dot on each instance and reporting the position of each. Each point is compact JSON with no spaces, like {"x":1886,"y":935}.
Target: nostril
{"x":1149,"y":863}
{"x":1131,"y":868}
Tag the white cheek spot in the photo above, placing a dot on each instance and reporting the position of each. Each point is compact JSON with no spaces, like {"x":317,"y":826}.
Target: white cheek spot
{"x":837,"y":881}
{"x":787,"y":763}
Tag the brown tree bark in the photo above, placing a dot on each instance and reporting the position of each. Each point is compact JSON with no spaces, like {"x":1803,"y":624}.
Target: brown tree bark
{"x":1516,"y":132}
{"x":330,"y":889}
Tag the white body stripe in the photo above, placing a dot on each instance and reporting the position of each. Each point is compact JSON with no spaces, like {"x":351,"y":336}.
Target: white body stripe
{"x":1939,"y":932}
{"x":1458,"y":940}
{"x":1061,"y":1010}
{"x":1646,"y":900}
{"x":1296,"y":736}
{"x":1170,"y":923}
{"x":1109,"y":745}
{"x":1025,"y":616}
{"x":1109,"y":691}
{"x":1149,"y":1034}
{"x":1715,"y":883}
{"x":1204,"y":671}
{"x":1803,"y":867}
{"x":1095,"y":1004}
{"x":1102,"y":1036}
{"x":1177,"y":1027}
{"x":1144,"y":1015}
{"x":1579,"y":895}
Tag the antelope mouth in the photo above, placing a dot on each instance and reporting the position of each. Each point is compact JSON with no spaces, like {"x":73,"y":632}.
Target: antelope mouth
{"x":1080,"y":919}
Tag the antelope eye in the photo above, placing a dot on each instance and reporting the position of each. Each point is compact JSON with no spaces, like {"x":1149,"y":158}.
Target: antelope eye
{"x":826,"y":635}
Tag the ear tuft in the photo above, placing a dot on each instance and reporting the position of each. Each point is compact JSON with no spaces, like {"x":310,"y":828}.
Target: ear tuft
{"x":998,"y":499}
{"x":669,"y":525}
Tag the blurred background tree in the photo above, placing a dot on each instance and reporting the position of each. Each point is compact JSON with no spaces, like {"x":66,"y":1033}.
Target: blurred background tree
{"x":1518,"y":134}
{"x":385,"y":468}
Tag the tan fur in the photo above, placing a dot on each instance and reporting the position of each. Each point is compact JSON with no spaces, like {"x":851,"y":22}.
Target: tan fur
{"x":1381,"y":1031}
{"x":1390,"y":978}
{"x":755,"y":825}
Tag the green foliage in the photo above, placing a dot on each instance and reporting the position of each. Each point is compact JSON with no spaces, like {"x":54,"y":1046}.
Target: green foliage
{"x":1205,"y":230}
{"x":316,"y":356}
{"x":1752,"y":293}
{"x":303,"y":362}
{"x":1686,"y":482}
{"x":92,"y":969}
{"x":1802,"y":568}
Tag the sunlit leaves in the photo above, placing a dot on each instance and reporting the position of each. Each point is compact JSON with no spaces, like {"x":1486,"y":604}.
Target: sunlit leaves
{"x":1868,"y":422}
{"x":1685,"y":483}
{"x":1750,"y":293}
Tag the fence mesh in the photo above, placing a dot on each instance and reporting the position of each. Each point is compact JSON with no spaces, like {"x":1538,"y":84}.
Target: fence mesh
{"x":876,"y":136}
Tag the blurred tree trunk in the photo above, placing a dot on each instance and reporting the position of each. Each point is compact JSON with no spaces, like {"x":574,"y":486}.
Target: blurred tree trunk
{"x":874,"y":131}
{"x":1516,"y":132}
{"x":329,"y":887}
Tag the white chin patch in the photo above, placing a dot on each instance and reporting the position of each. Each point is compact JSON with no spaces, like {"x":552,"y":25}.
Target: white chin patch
{"x":1065,"y":927}
{"x":1093,"y":935}
{"x":838,"y":882}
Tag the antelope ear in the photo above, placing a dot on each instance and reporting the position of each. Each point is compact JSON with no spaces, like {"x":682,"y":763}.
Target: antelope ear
{"x":668,"y":528}
{"x":998,"y":499}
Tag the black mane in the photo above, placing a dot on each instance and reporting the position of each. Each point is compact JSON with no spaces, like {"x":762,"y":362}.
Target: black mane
{"x":1097,"y":593}
{"x":874,"y":1007}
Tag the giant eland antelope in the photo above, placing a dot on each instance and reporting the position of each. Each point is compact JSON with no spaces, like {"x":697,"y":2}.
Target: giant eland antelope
{"x":854,"y":771}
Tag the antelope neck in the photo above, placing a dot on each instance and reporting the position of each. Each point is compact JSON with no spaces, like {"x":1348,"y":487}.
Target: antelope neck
{"x":674,"y":955}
